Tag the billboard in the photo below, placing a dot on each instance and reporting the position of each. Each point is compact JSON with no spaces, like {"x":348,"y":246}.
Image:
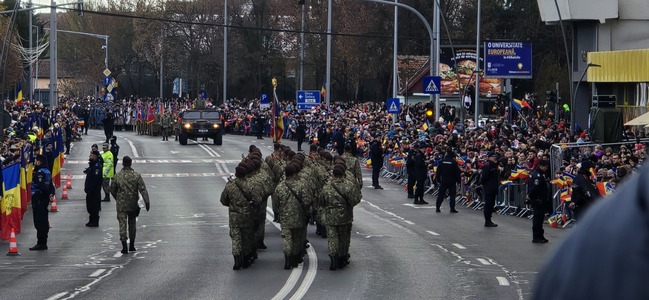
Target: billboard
{"x":508,"y":59}
{"x":457,"y":72}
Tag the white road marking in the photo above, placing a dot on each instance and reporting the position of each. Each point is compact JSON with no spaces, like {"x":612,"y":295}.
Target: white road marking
{"x":97,"y":273}
{"x":118,"y":254}
{"x":502,"y":281}
{"x":225,"y":178}
{"x":218,"y":168}
{"x":432,"y":232}
{"x":209,"y":150}
{"x":133,"y":149}
{"x":483,"y":261}
{"x":57,"y":296}
{"x":170,"y":161}
{"x":459,"y":246}
{"x":310,"y":275}
{"x":169,"y":175}
{"x":225,"y":168}
{"x":409,"y":222}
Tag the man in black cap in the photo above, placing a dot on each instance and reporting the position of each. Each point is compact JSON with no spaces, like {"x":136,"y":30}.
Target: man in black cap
{"x":92,"y":188}
{"x":376,"y":155}
{"x":421,"y":172}
{"x":489,"y":181}
{"x":448,"y":175}
{"x":41,"y":190}
{"x":583,"y":190}
{"x":538,"y":190}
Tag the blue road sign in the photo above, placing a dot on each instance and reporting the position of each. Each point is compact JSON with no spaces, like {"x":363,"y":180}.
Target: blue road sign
{"x":394,"y":106}
{"x":307,"y":100}
{"x":432,"y":84}
{"x":106,"y":80}
{"x":264,"y":102}
{"x":508,"y":59}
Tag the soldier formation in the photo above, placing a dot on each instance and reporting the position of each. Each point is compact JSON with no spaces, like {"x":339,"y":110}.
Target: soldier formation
{"x":318,"y":187}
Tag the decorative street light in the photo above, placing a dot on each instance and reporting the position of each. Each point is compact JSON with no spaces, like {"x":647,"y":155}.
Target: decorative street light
{"x":573,"y":100}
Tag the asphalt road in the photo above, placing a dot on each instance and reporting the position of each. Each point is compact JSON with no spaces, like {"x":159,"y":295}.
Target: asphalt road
{"x":398,"y":251}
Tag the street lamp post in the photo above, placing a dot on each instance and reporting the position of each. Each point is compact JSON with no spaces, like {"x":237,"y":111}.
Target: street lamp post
{"x":433,"y":69}
{"x":34,"y":78}
{"x":477,"y":69}
{"x":573,"y":100}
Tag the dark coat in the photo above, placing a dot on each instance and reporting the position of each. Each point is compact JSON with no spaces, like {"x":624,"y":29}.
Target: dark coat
{"x":376,"y":153}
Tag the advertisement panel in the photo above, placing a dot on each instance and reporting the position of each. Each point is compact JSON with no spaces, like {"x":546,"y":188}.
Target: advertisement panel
{"x":457,"y":72}
{"x":508,"y":59}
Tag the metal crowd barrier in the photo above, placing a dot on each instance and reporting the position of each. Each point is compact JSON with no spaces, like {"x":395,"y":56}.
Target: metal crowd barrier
{"x":511,"y":200}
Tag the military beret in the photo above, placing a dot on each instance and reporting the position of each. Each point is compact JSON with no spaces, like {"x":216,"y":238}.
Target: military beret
{"x":240,"y":171}
{"x":338,"y":171}
{"x":290,"y":170}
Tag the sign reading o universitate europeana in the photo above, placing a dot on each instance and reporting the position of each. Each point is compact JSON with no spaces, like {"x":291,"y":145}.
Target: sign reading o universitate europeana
{"x":508,"y":59}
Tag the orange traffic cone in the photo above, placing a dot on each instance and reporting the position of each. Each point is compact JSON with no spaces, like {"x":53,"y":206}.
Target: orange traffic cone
{"x":13,"y":247}
{"x":68,"y":184}
{"x":53,"y":207}
{"x":64,"y":195}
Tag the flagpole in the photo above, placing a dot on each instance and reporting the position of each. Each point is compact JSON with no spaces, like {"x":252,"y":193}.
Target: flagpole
{"x":274,"y":81}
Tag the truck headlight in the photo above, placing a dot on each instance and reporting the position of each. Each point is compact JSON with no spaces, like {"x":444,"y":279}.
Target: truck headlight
{"x":187,"y":126}
{"x":215,"y":125}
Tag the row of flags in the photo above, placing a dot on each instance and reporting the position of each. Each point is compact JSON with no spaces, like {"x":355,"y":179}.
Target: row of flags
{"x":16,"y":184}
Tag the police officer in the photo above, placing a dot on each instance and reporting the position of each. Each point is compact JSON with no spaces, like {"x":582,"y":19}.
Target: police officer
{"x":42,"y":188}
{"x":114,"y":149}
{"x":376,"y":155}
{"x":448,"y":175}
{"x":92,"y":188}
{"x":583,"y":190}
{"x":537,"y":196}
{"x":410,"y":168}
{"x":108,"y":170}
{"x":489,"y":181}
{"x":421,"y":172}
{"x":300,"y":134}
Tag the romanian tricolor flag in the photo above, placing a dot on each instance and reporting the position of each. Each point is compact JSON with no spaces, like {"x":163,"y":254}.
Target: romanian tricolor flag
{"x":568,"y":178}
{"x":279,"y":123}
{"x":605,"y":188}
{"x":519,"y":104}
{"x":593,"y":173}
{"x":24,"y":193}
{"x":565,"y":195}
{"x":397,"y":162}
{"x":19,"y":95}
{"x":149,"y":114}
{"x":558,"y":182}
{"x":58,"y":157}
{"x":10,"y":207}
{"x":518,"y":173}
{"x":368,"y":163}
{"x":424,"y":126}
{"x":323,"y":91}
{"x":506,"y":182}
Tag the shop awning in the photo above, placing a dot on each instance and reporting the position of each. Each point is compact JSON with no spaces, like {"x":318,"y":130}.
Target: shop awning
{"x":619,"y":66}
{"x":639,"y":121}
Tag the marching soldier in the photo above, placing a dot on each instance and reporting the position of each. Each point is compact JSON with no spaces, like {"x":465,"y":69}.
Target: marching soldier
{"x":236,"y":197}
{"x":125,"y":188}
{"x":337,"y":201}
{"x":292,"y":198}
{"x":353,"y":165}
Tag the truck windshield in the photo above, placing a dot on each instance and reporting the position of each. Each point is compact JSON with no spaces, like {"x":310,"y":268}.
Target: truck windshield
{"x":210,"y":115}
{"x":192,"y":115}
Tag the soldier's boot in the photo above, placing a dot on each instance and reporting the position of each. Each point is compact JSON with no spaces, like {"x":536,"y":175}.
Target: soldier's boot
{"x":106,"y":198}
{"x":246,"y":261}
{"x":254,"y":256}
{"x":132,"y":246}
{"x":296,"y":260}
{"x":261,"y":245}
{"x":124,"y":248}
{"x":334,"y":263}
{"x":237,"y":263}
{"x":287,"y":262}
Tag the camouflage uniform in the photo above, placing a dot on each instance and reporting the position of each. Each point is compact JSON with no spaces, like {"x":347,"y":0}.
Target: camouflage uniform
{"x":240,"y":214}
{"x":338,"y":213}
{"x":277,"y":168}
{"x":354,"y":166}
{"x":165,"y":123}
{"x":125,"y":188}
{"x":292,"y":214}
{"x":261,"y":182}
{"x":199,"y":103}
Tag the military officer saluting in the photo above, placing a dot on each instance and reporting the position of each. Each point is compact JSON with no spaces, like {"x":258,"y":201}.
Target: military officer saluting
{"x":538,"y":197}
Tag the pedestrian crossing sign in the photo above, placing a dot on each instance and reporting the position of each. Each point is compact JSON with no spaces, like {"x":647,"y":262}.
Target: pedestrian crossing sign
{"x":431,"y":84}
{"x":394,"y":106}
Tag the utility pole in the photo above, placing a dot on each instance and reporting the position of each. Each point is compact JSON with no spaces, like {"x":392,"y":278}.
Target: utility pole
{"x":225,"y":52}
{"x":328,"y":80}
{"x":31,"y":55}
{"x":477,"y":69}
{"x":395,"y":65}
{"x":302,"y":46}
{"x":53,"y":58}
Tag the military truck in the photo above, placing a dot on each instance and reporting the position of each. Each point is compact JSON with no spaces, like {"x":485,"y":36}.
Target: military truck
{"x":203,"y":123}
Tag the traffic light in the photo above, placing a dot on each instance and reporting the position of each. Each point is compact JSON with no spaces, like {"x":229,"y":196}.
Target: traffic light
{"x":551,"y":96}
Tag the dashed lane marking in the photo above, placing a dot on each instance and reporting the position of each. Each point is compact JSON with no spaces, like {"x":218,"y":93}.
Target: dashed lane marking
{"x":432,"y":232}
{"x":459,"y":246}
{"x":57,"y":296}
{"x":97,"y":273}
{"x":170,"y":161}
{"x":502,"y":281}
{"x":483,"y":261}
{"x":409,"y":222}
{"x":118,"y":254}
{"x":170,"y":175}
